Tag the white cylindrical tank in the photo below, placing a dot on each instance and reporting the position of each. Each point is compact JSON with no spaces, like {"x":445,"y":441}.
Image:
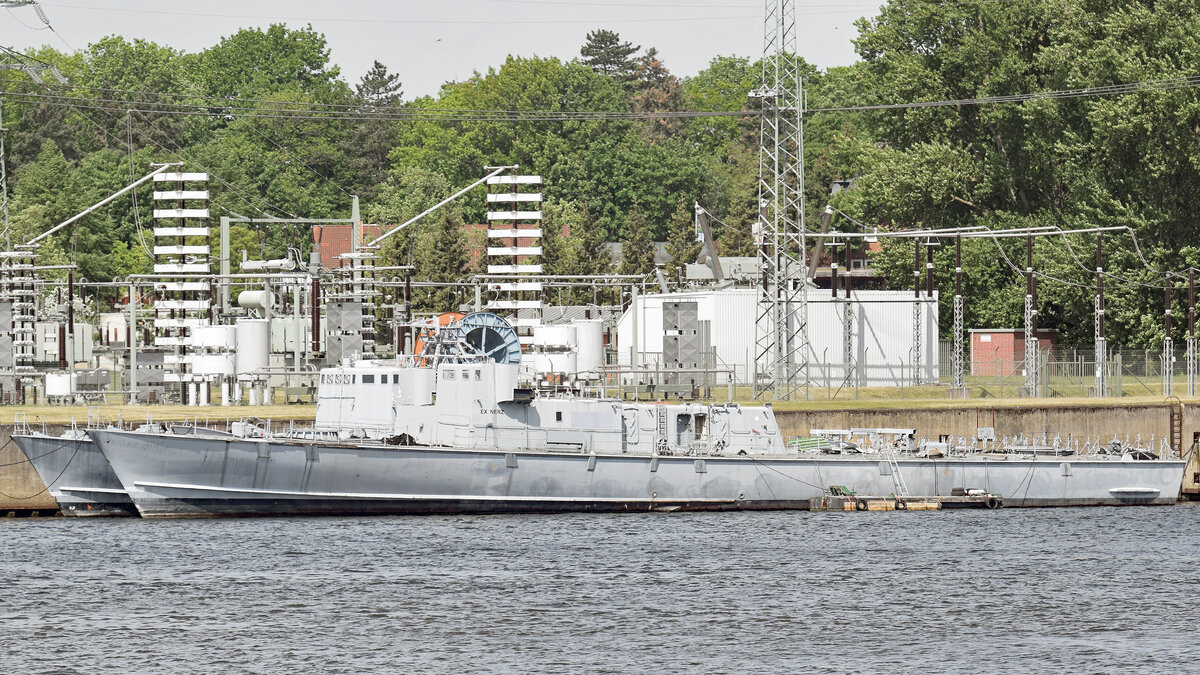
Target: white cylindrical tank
{"x":253,"y":346}
{"x":589,"y":345}
{"x":253,"y":299}
{"x":558,"y":336}
{"x":58,"y":384}
{"x":546,"y":363}
{"x":213,"y":364}
{"x":214,"y":337}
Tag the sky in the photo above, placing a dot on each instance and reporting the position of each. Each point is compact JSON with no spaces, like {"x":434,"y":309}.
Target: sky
{"x":429,"y":43}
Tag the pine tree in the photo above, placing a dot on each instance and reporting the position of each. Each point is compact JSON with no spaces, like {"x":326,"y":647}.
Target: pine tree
{"x":366,"y":146}
{"x":441,"y":255}
{"x":681,"y":237}
{"x":379,"y":87}
{"x":606,"y":54}
{"x":591,"y":254}
{"x":556,"y":249}
{"x":637,"y":248}
{"x":656,"y":89}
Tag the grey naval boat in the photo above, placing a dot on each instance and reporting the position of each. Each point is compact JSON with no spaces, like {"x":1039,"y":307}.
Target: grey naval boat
{"x":454,"y":432}
{"x":79,"y":476}
{"x":76,"y":473}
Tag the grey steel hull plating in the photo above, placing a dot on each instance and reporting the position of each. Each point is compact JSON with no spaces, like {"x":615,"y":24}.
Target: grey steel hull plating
{"x":194,"y":476}
{"x":77,"y":475}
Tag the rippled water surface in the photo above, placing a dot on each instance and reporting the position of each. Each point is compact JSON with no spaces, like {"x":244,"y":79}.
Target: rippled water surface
{"x":1084,"y":590}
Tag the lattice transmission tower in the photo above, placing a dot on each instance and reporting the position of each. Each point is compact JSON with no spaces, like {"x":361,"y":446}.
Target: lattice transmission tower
{"x":781,"y":327}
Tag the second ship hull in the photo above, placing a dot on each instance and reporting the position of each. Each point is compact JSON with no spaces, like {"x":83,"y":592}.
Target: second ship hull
{"x":196,"y":476}
{"x":77,"y":475}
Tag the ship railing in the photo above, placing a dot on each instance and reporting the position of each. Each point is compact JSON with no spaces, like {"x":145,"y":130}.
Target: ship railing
{"x":21,"y":425}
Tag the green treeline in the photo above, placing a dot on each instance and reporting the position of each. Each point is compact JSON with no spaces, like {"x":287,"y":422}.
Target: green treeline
{"x":1129,"y":160}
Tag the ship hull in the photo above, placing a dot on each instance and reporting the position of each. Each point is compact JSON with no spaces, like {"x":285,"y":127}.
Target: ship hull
{"x":180,"y":476}
{"x":77,"y":475}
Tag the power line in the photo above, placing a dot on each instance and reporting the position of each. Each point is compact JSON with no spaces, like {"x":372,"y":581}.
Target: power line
{"x":318,"y":174}
{"x":184,"y":155}
{"x":351,"y":112}
{"x":436,"y":22}
{"x":1085,"y":92}
{"x":410,"y":114}
{"x":365,"y":108}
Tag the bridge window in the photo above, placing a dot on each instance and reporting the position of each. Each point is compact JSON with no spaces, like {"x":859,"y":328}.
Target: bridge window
{"x":368,"y":379}
{"x":478,"y":375}
{"x":449,"y":374}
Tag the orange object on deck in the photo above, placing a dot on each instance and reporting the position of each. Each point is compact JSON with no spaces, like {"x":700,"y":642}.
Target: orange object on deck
{"x":423,"y":335}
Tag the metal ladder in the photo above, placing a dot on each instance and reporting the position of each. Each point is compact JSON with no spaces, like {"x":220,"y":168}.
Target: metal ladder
{"x":661,"y":428}
{"x":1176,"y":408}
{"x":901,"y":487}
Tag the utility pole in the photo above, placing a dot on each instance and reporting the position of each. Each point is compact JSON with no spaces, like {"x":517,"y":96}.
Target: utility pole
{"x":1031,"y":346}
{"x":848,"y":330}
{"x":915,"y":353}
{"x":1191,"y":334}
{"x":958,"y":388}
{"x":1168,"y":347}
{"x":1101,"y":356}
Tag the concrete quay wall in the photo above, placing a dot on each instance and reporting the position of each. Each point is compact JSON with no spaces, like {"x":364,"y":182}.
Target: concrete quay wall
{"x":1078,"y":421}
{"x":21,"y":490}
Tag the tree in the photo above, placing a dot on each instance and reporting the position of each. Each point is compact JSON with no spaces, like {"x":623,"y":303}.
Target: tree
{"x":604,"y":53}
{"x":656,"y":89}
{"x":1127,"y":160}
{"x":724,"y":86}
{"x":407,"y":192}
{"x":379,"y":87}
{"x":253,"y":63}
{"x":367,"y":144}
{"x":441,"y":256}
{"x":637,"y":245}
{"x":681,"y":237}
{"x":557,"y":250}
{"x":130,"y":259}
{"x":592,"y":255}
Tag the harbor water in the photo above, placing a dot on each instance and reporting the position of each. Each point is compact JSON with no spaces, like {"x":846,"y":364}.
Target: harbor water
{"x":1044,"y":590}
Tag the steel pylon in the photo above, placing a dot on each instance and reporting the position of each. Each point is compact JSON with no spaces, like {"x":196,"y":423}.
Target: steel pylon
{"x":781,"y":327}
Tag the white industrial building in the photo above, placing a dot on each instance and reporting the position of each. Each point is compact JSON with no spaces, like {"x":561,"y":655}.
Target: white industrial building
{"x":882,"y":334}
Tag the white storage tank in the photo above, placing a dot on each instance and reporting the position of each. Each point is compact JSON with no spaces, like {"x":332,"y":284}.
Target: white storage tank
{"x":546,"y":363}
{"x":214,"y":337}
{"x":254,"y":299}
{"x":589,"y":345}
{"x":253,"y":346}
{"x":557,"y":336}
{"x":213,"y":364}
{"x":59,"y":384}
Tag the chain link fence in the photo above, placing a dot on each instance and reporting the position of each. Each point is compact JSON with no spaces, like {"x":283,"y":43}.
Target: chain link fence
{"x":1070,"y":372}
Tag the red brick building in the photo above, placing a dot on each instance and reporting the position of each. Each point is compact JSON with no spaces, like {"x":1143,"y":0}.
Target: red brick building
{"x":1001,"y":351}
{"x":331,"y":241}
